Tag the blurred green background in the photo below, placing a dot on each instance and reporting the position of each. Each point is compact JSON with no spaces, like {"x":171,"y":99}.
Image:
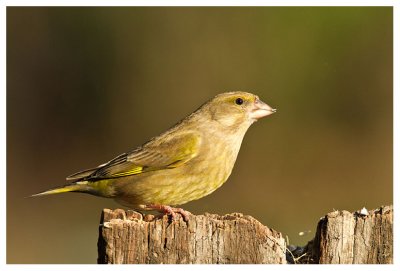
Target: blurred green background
{"x":86,"y":84}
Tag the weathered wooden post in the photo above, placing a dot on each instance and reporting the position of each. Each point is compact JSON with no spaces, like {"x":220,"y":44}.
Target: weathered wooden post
{"x":354,"y":238}
{"x":341,"y":237}
{"x":209,"y":238}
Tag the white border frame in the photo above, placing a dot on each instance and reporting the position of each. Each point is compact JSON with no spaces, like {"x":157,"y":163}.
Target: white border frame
{"x":396,"y":124}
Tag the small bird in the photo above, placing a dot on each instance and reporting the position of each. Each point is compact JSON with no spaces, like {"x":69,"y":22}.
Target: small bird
{"x":187,"y":162}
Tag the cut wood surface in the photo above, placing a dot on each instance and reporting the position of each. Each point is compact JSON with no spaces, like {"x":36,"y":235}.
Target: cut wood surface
{"x":341,"y":237}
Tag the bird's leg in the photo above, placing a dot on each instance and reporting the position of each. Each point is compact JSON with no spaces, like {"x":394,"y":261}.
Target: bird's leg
{"x":170,"y":210}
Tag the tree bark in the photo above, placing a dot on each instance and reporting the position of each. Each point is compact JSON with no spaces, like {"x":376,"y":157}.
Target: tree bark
{"x":354,"y":238}
{"x":341,"y":237}
{"x":208,"y":238}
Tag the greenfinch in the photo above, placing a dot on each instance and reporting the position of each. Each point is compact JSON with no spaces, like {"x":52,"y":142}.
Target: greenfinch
{"x":187,"y":162}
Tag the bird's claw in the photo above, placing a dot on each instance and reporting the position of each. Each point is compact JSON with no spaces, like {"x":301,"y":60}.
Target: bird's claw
{"x":185,"y":214}
{"x":171,"y":211}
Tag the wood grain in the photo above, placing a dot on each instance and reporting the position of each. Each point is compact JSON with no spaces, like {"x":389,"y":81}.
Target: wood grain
{"x":341,"y":238}
{"x":208,"y":238}
{"x":354,"y":238}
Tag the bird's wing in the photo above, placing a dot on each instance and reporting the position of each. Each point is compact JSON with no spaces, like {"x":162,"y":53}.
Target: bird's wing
{"x":155,"y":155}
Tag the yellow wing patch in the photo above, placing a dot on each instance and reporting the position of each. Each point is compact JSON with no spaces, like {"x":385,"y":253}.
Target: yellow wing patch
{"x":134,"y":171}
{"x":165,"y":153}
{"x":188,"y":150}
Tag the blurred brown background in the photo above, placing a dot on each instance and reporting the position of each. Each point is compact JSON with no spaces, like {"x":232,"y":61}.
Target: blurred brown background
{"x":86,"y":84}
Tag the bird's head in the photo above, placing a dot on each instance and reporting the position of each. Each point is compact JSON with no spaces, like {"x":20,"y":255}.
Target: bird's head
{"x":234,"y":109}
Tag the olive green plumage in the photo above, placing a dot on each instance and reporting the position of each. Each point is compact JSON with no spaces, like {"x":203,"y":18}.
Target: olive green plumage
{"x":185,"y":163}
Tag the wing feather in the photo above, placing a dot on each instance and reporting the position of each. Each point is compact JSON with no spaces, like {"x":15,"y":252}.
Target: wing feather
{"x":158,"y":154}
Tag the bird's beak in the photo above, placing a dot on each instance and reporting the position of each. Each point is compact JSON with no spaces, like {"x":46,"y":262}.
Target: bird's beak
{"x":260,"y":110}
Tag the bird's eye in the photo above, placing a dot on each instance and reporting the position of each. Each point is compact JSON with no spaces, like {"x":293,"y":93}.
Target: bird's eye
{"x":239,"y":101}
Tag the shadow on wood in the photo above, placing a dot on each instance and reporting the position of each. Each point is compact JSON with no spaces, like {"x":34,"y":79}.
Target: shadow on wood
{"x":342,"y":237}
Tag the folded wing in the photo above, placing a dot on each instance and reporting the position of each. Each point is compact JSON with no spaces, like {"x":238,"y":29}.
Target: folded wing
{"x":157,"y":154}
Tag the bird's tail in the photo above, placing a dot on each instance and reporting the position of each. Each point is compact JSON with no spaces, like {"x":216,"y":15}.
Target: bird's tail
{"x":73,"y":187}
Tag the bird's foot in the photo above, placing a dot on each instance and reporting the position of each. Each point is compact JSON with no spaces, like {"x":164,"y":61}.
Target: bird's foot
{"x":170,"y":211}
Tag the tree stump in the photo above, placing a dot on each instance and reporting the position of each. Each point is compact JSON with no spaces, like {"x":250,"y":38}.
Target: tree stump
{"x":209,"y":238}
{"x":341,"y":237}
{"x":354,"y":238}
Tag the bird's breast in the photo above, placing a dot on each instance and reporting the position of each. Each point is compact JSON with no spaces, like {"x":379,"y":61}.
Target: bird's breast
{"x":215,"y":166}
{"x":195,"y":179}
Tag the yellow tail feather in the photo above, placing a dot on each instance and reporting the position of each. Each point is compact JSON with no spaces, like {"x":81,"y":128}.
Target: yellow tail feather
{"x":63,"y":189}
